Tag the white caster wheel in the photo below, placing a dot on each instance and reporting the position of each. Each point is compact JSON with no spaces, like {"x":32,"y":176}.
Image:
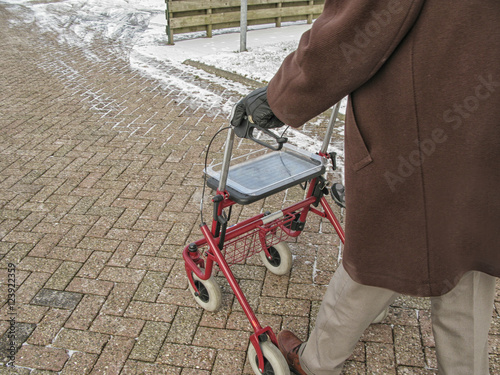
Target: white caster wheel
{"x":274,"y":362}
{"x":281,"y":259}
{"x":381,"y":316}
{"x":209,"y":296}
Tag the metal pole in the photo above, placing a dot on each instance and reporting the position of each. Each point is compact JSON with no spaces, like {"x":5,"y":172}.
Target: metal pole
{"x":227,"y":159}
{"x":243,"y":25}
{"x":329,"y":129}
{"x":170,"y":34}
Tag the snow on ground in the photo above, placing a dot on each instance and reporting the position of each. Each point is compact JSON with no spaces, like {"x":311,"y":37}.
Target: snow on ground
{"x":141,"y":25}
{"x":267,"y":46}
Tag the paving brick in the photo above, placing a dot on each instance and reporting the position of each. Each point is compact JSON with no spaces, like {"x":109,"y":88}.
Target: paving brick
{"x":304,"y":291}
{"x":174,"y":296}
{"x":494,"y":364}
{"x":412,"y":303}
{"x":41,"y":357}
{"x":45,"y":245}
{"x":63,"y":275}
{"x":150,"y":341}
{"x":151,"y":286}
{"x":57,"y":299}
{"x":116,"y":325}
{"x":23,"y":237}
{"x":82,"y":341}
{"x":193,"y":371}
{"x":283,"y":306}
{"x":431,"y":358}
{"x":151,"y":311}
{"x":119,"y":299}
{"x":24,"y":313}
{"x":152,"y":263}
{"x":122,"y":275}
{"x":123,"y":254}
{"x":402,"y":316}
{"x":15,"y":254}
{"x":114,"y":355}
{"x":79,"y":363}
{"x":48,"y":328}
{"x":34,"y":264}
{"x":229,"y":362}
{"x":90,"y":286}
{"x":408,"y":345}
{"x":494,"y":344}
{"x":179,"y":233}
{"x":30,"y":287}
{"x":424,"y":318}
{"x":354,"y":368}
{"x":378,"y":333}
{"x":226,"y":339}
{"x":359,"y":353}
{"x":177,"y":277}
{"x":403,"y":370}
{"x":12,"y":340}
{"x":53,"y":228}
{"x":143,"y":368}
{"x":184,"y":325}
{"x":275,"y":286}
{"x":84,"y":314}
{"x":380,"y":358}
{"x":155,"y":239}
{"x":217,"y":319}
{"x":99,"y":244}
{"x":94,"y":265}
{"x":19,"y":371}
{"x":187,"y":356}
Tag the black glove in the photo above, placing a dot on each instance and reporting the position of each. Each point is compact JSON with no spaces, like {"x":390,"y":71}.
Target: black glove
{"x":256,"y":108}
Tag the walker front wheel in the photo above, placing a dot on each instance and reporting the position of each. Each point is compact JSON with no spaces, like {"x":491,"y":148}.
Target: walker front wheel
{"x":209,"y":295}
{"x":280,"y":261}
{"x":274,"y":362}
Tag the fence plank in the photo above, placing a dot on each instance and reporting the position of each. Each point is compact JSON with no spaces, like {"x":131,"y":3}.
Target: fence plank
{"x":220,"y":18}
{"x":185,"y":6}
{"x":188,"y":16}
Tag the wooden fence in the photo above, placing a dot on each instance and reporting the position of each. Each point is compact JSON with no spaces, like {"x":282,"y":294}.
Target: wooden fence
{"x":185,"y":16}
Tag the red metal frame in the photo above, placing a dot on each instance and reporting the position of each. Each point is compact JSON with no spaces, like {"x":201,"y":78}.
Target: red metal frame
{"x":194,"y":263}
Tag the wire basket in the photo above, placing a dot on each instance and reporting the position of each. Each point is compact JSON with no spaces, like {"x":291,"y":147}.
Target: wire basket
{"x":238,"y":249}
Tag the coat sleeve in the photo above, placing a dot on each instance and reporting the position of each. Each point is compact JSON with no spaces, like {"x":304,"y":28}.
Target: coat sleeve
{"x":344,"y":48}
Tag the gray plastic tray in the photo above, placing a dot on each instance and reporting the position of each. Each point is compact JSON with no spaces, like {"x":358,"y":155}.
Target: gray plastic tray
{"x":253,"y":176}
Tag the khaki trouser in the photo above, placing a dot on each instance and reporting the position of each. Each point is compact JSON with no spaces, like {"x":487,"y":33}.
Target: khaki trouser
{"x":460,"y":321}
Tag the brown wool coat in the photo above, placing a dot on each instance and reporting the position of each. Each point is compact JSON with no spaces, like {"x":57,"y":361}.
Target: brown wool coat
{"x":422,"y":139}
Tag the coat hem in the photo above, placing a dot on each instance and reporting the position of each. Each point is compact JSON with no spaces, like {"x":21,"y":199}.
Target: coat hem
{"x":405,"y":286}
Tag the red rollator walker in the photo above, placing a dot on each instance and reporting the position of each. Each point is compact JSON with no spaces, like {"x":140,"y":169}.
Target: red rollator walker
{"x":244,"y":183}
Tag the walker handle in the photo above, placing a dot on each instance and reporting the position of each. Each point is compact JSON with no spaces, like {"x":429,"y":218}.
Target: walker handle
{"x":245,"y":130}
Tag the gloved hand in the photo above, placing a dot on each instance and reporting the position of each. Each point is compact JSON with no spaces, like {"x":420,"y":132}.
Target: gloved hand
{"x":256,"y":108}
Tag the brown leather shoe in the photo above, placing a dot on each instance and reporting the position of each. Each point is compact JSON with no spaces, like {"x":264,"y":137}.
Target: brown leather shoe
{"x":289,"y":345}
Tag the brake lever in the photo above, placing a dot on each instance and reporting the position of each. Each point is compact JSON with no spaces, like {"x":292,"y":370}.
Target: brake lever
{"x":245,"y":130}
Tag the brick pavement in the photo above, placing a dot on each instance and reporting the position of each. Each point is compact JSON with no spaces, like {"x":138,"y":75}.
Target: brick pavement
{"x":100,"y":179}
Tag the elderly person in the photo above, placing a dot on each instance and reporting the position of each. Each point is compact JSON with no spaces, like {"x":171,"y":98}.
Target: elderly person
{"x":422,"y":172}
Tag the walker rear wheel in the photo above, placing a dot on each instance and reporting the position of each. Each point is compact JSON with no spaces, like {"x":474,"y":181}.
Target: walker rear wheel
{"x":274,"y":362}
{"x":209,"y":296}
{"x":280,"y":261}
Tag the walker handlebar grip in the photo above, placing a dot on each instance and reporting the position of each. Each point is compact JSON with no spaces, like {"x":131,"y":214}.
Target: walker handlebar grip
{"x":245,"y":130}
